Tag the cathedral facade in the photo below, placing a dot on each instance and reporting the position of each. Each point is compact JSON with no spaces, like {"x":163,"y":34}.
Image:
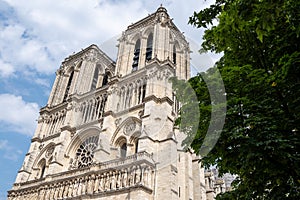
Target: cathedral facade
{"x":107,"y":131}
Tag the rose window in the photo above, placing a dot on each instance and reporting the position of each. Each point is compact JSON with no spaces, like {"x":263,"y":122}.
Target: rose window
{"x":85,"y":153}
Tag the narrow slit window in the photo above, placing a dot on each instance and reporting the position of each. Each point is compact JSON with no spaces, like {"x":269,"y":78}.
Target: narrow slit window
{"x":68,"y":85}
{"x":43,"y":171}
{"x":174,"y":54}
{"x":136,"y":55}
{"x":149,"y":47}
{"x":123,"y":150}
{"x":95,"y":79}
{"x":105,"y":79}
{"x":144,"y":92}
{"x":137,"y":146}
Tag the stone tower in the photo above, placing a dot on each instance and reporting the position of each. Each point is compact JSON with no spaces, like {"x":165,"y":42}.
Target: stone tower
{"x":107,"y":131}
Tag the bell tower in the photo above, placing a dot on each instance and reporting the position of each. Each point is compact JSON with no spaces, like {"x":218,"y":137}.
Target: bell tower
{"x":154,"y":37}
{"x":107,"y":131}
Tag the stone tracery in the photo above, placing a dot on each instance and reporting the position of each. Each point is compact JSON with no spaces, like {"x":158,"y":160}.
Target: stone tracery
{"x":85,"y":152}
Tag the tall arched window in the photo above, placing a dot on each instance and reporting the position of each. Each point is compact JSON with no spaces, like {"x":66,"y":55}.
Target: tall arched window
{"x":149,"y":47}
{"x":174,"y":54}
{"x":136,"y":146}
{"x":95,"y":79}
{"x":136,"y":56}
{"x":105,"y":79}
{"x":42,"y":168}
{"x":43,"y":171}
{"x":123,"y":150}
{"x":68,"y":85}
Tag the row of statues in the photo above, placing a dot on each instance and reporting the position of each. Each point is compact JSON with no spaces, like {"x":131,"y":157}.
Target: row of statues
{"x":92,"y":184}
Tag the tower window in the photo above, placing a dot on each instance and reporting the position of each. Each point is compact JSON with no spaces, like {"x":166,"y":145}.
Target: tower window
{"x":141,"y":93}
{"x":42,"y":167}
{"x":174,"y":54}
{"x":105,"y":79}
{"x":43,"y":170}
{"x":136,"y":55}
{"x":68,"y":86}
{"x":144,"y":91}
{"x":95,"y":79}
{"x":137,"y":146}
{"x":123,"y":150}
{"x":149,"y":47}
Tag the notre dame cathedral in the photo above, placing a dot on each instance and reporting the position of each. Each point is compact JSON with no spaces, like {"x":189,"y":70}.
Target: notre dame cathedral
{"x":107,"y":131}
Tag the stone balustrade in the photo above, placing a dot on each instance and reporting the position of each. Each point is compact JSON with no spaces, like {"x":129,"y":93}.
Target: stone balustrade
{"x":136,"y":171}
{"x":51,"y":121}
{"x":91,"y":108}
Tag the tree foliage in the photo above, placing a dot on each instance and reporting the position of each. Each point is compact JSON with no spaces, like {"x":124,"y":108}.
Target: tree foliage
{"x":260,"y":68}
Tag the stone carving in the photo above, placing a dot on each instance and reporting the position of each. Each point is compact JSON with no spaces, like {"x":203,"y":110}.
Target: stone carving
{"x":41,"y":146}
{"x":129,"y":128}
{"x":92,"y":55}
{"x":94,"y":182}
{"x":49,"y":152}
{"x":85,"y":153}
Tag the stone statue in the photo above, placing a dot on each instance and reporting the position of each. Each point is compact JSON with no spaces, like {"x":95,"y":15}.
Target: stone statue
{"x":90,"y":185}
{"x":102,"y":181}
{"x":96,"y":185}
{"x":84,"y":183}
{"x":124,"y":178}
{"x":113,"y":180}
{"x":75,"y":187}
{"x":118,"y":181}
{"x":79,"y":192}
{"x":70,"y":189}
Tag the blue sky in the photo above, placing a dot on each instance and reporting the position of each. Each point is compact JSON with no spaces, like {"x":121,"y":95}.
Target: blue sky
{"x":35,"y":37}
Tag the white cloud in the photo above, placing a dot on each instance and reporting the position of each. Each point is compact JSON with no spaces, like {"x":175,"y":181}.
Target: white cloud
{"x":41,"y":34}
{"x":17,"y":115}
{"x":48,"y":31}
{"x":42,"y":82}
{"x":6,"y":69}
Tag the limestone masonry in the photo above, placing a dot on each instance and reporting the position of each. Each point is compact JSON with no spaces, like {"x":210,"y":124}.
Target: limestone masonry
{"x":107,"y":131}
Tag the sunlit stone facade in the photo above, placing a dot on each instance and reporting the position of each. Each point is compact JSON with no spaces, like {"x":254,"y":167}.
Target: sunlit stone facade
{"x":107,"y":131}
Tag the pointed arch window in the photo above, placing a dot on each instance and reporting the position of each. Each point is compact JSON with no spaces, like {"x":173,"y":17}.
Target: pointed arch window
{"x":136,"y":55}
{"x":95,"y":79}
{"x":174,"y":54}
{"x":105,"y":79}
{"x":42,"y":168}
{"x":149,"y":47}
{"x":136,"y":146}
{"x":43,"y":171}
{"x":68,"y":85}
{"x":123,"y":150}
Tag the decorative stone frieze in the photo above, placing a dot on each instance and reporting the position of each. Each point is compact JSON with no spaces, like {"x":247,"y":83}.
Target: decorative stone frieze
{"x":133,"y":172}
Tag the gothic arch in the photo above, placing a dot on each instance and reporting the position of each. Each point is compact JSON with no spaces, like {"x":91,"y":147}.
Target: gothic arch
{"x":120,"y":141}
{"x":100,"y":68}
{"x":42,"y":168}
{"x":176,"y":52}
{"x":127,"y":121}
{"x":149,"y":47}
{"x":78,"y":65}
{"x":70,"y":82}
{"x":106,"y":76}
{"x":135,"y":38}
{"x":69,"y":70}
{"x":134,"y":137}
{"x":147,"y":31}
{"x":79,"y":138}
{"x":42,"y":152}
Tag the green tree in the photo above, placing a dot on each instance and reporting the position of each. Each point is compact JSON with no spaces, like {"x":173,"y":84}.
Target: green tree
{"x":260,"y":69}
